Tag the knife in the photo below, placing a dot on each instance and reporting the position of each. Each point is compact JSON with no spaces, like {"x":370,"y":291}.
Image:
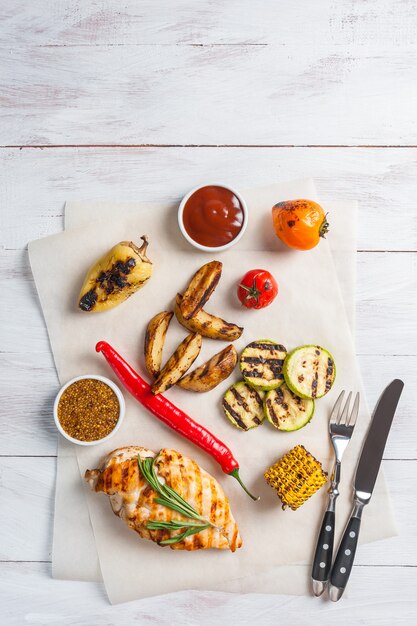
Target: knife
{"x":366,"y":474}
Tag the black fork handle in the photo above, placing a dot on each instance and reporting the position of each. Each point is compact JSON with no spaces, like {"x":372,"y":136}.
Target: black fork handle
{"x":322,"y":561}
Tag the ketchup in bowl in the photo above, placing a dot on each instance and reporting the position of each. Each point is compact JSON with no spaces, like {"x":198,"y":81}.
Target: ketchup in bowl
{"x":213,"y":216}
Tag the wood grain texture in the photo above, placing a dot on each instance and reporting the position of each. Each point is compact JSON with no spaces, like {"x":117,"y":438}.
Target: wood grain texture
{"x":28,"y":486}
{"x":35,"y":183}
{"x":165,"y":72}
{"x":375,"y":594}
{"x":373,"y":24}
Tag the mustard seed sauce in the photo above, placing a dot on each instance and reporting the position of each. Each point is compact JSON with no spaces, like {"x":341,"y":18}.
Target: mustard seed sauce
{"x":88,"y":410}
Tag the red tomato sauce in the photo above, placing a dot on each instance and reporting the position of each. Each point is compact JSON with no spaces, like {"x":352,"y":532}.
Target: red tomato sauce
{"x":213,"y":216}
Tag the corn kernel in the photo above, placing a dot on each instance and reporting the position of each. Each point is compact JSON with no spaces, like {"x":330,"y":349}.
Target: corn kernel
{"x":296,"y":477}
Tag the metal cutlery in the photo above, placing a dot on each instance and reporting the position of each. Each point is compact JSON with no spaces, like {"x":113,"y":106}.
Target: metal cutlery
{"x":341,"y":425}
{"x":366,"y":474}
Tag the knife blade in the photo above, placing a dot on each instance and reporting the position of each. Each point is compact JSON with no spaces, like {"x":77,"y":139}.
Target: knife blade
{"x":376,"y":438}
{"x":365,"y":478}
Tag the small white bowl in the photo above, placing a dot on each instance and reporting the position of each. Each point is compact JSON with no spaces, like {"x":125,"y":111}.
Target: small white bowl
{"x":209,"y":248}
{"x":120,"y":398}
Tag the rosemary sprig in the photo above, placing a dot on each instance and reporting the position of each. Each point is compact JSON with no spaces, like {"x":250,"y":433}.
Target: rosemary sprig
{"x":172,"y":500}
{"x":191,"y":529}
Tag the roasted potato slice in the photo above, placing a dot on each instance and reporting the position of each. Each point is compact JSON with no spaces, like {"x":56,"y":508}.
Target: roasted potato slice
{"x":154,"y":341}
{"x":208,"y":325}
{"x":212,"y":372}
{"x":202,"y":285}
{"x":176,"y":366}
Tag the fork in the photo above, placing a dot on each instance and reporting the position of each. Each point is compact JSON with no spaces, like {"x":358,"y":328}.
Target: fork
{"x":341,"y":425}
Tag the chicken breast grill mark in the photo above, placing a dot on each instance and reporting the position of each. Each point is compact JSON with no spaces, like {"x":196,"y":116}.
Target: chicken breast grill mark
{"x":132,"y":498}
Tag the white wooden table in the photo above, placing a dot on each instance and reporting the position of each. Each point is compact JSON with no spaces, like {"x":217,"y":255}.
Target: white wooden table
{"x":143,"y":99}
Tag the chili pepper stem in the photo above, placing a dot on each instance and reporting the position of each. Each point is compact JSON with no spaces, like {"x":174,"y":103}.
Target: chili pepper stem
{"x":235,"y":474}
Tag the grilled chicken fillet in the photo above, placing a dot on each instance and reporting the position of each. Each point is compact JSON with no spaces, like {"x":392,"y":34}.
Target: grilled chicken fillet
{"x":132,"y":498}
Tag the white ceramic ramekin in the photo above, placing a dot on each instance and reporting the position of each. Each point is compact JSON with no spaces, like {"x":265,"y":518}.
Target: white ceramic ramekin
{"x":120,"y":398}
{"x":209,"y":248}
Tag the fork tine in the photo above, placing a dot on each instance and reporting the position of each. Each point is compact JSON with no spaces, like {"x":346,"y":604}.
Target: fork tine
{"x":355,"y":411}
{"x":336,"y":409}
{"x":343,"y":417}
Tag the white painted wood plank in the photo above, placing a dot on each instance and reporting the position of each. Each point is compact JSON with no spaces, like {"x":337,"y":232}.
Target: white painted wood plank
{"x":28,"y":386}
{"x":28,"y":488}
{"x":34,"y":183}
{"x":207,"y":22}
{"x":206,"y":95}
{"x":26,"y":514}
{"x":378,"y":596}
{"x":377,"y":372}
{"x":387,"y":303}
{"x":327,"y":76}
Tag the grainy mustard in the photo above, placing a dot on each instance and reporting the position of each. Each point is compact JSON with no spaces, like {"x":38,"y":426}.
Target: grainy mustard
{"x":88,"y":410}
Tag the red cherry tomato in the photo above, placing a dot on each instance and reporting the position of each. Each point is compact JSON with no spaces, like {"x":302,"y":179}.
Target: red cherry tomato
{"x":257,"y":289}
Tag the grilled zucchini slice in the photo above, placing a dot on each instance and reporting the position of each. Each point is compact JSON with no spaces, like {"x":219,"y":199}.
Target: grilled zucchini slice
{"x":261,"y":364}
{"x":309,"y":371}
{"x":286,"y":411}
{"x":243,"y":406}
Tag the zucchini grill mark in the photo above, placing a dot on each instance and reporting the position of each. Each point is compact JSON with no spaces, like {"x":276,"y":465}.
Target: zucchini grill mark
{"x":235,"y":415}
{"x":243,"y":406}
{"x":286,"y":411}
{"x":328,"y":375}
{"x":309,"y":371}
{"x":263,"y":361}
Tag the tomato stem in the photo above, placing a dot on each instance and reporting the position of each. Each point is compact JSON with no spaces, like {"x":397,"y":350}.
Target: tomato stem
{"x":253,"y":292}
{"x":324,"y":227}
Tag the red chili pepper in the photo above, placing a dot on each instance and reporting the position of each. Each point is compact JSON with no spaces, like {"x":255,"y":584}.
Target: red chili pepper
{"x":171,"y":415}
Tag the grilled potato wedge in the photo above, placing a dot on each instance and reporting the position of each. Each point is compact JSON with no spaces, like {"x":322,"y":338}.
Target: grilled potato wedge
{"x":154,"y":341}
{"x":176,"y":366}
{"x":212,"y":372}
{"x":208,"y":325}
{"x":202,"y":285}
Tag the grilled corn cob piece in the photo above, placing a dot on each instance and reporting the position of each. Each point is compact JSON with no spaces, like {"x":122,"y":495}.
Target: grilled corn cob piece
{"x":296,"y":477}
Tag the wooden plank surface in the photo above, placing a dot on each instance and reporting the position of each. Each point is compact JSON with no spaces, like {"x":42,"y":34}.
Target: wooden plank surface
{"x":228,"y":75}
{"x":372,"y":598}
{"x":211,"y":73}
{"x":372,"y":24}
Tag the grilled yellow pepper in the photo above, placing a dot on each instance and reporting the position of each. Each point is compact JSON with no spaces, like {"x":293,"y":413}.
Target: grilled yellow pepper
{"x":116,"y":276}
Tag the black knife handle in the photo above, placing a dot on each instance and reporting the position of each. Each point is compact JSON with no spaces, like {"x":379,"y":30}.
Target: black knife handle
{"x":344,"y":558}
{"x":324,"y":551}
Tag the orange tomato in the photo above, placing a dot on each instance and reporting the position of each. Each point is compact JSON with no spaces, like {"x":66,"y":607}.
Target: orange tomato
{"x":299,"y":223}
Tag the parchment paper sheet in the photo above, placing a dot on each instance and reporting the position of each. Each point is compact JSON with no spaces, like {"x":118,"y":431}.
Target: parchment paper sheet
{"x":309,"y":308}
{"x":74,"y":554}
